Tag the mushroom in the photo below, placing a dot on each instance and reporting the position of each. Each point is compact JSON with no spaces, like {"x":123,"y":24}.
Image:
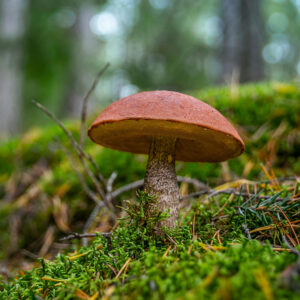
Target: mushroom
{"x":167,"y":126}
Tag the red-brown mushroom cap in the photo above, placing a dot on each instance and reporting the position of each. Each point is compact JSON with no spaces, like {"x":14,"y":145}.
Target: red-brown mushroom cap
{"x":203,"y":133}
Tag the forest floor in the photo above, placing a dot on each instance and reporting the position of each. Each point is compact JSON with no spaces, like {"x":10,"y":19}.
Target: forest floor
{"x":240,"y":245}
{"x":238,"y":238}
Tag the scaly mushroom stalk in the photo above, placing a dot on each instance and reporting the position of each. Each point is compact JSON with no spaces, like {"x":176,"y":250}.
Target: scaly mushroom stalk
{"x":160,"y":179}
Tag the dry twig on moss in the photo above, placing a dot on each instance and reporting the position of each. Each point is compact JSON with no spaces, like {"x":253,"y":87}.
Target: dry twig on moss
{"x":81,"y":153}
{"x":97,"y":208}
{"x":139,"y":183}
{"x":82,"y":156}
{"x":75,"y":235}
{"x":87,"y":190}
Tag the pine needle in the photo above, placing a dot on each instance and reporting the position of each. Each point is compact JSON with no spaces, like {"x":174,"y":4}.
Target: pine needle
{"x":123,"y":267}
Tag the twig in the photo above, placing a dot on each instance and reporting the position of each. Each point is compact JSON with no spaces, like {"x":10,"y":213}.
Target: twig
{"x":82,"y":156}
{"x":247,"y":231}
{"x":29,"y":254}
{"x":75,"y":235}
{"x":112,"y":268}
{"x":75,"y":145}
{"x":227,"y":191}
{"x":97,"y":208}
{"x":89,"y":222}
{"x":196,"y":194}
{"x":98,"y":187}
{"x":294,"y":250}
{"x":109,"y":185}
{"x":140,"y":183}
{"x":285,"y":216}
{"x":87,"y":190}
{"x":211,"y":191}
{"x":172,"y":240}
{"x":231,"y":190}
{"x":85,"y":103}
{"x":281,"y":179}
{"x":123,"y":267}
{"x":127,"y":187}
{"x":197,"y":184}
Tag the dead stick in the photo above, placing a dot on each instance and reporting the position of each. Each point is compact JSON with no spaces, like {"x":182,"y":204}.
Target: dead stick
{"x":294,"y":250}
{"x":109,"y":185}
{"x":85,"y":103}
{"x":75,"y":235}
{"x":75,"y":145}
{"x":127,"y":187}
{"x":89,"y":222}
{"x":227,"y":191}
{"x":87,"y":190}
{"x":81,"y":155}
{"x":97,"y":208}
{"x":247,"y":231}
{"x":140,"y":183}
{"x":195,"y":182}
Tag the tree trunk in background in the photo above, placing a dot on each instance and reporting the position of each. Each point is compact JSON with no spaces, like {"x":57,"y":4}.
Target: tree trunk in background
{"x":12,"y":24}
{"x":79,"y":76}
{"x":242,"y":40}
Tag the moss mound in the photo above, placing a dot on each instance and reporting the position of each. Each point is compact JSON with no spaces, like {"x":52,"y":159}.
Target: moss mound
{"x":236,"y":251}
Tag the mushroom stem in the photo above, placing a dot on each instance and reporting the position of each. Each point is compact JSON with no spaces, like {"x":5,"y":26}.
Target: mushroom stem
{"x":161,"y":177}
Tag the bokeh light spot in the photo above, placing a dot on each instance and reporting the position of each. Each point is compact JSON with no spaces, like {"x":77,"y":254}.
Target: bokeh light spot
{"x":104,"y":23}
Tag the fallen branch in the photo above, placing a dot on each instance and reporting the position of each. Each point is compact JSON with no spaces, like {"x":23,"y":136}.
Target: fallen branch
{"x":195,"y":182}
{"x":139,"y":183}
{"x":127,"y":187}
{"x":75,"y":235}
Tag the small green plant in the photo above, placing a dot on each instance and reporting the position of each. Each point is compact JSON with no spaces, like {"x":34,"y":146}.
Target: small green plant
{"x":144,"y":211}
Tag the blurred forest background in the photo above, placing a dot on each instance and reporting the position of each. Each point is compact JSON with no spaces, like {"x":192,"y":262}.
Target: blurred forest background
{"x":50,"y":51}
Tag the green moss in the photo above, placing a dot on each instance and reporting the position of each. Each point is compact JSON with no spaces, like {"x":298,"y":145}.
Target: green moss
{"x":179,"y":264}
{"x":184,"y":272}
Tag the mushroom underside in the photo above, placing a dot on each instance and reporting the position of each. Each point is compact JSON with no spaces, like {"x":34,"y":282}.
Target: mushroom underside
{"x":193,"y":142}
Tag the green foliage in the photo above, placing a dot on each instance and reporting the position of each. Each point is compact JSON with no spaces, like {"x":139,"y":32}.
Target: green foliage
{"x":133,"y":263}
{"x":145,"y":213}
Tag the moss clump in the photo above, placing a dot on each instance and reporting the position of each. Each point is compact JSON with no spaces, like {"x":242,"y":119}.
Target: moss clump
{"x":187,"y":263}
